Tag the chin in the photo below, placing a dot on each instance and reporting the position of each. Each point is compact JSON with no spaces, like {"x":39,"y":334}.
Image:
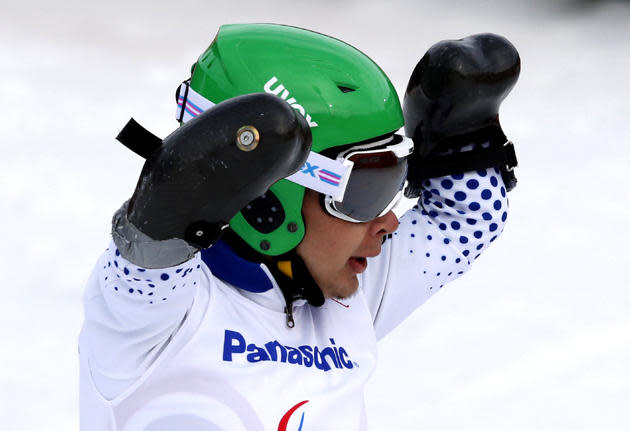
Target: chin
{"x":348,"y":294}
{"x":342,"y":290}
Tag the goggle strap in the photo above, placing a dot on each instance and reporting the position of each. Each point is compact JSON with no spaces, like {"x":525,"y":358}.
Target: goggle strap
{"x":190,"y":103}
{"x":320,"y":173}
{"x":326,"y":176}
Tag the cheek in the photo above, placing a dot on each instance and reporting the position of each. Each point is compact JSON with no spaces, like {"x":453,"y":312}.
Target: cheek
{"x":325,"y":246}
{"x":343,"y":245}
{"x":338,"y":237}
{"x":329,"y":242}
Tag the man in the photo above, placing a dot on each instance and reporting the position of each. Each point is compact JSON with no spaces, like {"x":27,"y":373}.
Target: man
{"x":258,"y":260}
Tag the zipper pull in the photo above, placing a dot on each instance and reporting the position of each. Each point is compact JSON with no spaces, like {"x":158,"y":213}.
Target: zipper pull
{"x":289,"y":312}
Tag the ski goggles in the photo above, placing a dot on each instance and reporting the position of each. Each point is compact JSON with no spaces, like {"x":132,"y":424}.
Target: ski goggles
{"x":376,"y":182}
{"x":364,"y":182}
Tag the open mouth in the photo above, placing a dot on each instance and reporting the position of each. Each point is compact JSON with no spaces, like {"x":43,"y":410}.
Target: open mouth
{"x":357,"y":264}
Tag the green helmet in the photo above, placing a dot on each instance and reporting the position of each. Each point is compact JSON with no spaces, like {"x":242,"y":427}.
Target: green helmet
{"x":344,"y":96}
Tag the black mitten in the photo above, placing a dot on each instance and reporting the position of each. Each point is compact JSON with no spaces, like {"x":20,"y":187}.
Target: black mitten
{"x":202,"y":174}
{"x":452,"y":104}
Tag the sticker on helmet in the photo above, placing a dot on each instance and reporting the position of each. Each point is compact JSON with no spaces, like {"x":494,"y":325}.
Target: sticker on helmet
{"x":283,"y":93}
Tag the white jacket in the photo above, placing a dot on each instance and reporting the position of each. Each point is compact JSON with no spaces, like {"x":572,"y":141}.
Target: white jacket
{"x":205,"y":345}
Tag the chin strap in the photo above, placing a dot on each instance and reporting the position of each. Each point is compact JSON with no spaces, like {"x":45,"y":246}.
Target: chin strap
{"x":295,"y":282}
{"x":292,"y":269}
{"x":289,"y":270}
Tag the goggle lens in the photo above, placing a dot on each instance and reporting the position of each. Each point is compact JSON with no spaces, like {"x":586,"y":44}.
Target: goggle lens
{"x":374,"y":185}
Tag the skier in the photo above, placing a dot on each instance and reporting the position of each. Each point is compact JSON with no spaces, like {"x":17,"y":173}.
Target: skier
{"x":258,"y":261}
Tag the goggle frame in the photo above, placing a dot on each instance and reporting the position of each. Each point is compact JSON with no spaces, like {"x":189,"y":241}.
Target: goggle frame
{"x":401,"y":149}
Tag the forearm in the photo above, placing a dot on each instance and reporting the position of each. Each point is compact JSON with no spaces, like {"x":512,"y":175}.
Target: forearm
{"x":456,"y":219}
{"x":469,"y":209}
{"x":461,"y":168}
{"x":131,"y":313}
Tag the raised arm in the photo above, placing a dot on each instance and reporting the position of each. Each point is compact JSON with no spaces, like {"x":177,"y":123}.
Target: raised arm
{"x":145,"y":284}
{"x":461,"y":171}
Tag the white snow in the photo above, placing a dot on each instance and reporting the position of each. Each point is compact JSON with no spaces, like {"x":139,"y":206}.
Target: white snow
{"x":537,"y":336}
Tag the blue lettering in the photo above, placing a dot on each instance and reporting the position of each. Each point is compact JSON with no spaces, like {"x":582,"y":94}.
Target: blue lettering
{"x":307,"y":351}
{"x":259,"y":354}
{"x":228,"y":344}
{"x":272,"y":347}
{"x":330,"y":353}
{"x":324,"y":359}
{"x":337,"y":358}
{"x":346,"y":362}
{"x":321,"y":363}
{"x":309,"y":169}
{"x":295,"y":357}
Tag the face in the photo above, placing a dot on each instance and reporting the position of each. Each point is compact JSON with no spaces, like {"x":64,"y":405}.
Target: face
{"x":335,"y":250}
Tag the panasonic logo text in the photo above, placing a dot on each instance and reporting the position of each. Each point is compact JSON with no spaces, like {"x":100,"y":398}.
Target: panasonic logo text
{"x":324,"y":359}
{"x":283,"y":93}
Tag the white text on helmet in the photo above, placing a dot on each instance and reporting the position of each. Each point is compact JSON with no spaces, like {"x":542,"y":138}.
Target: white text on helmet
{"x":283,"y":93}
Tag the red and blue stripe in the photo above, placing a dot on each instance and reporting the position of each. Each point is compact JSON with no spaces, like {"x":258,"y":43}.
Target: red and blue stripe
{"x":329,"y":177}
{"x":192,"y":109}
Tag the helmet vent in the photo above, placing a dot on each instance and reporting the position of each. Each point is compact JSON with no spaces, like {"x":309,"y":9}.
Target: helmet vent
{"x":265,"y":213}
{"x":345,"y":89}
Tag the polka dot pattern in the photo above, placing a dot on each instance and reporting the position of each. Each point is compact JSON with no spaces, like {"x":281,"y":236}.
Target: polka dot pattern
{"x":472,"y":184}
{"x":130,"y":282}
{"x":457,"y":218}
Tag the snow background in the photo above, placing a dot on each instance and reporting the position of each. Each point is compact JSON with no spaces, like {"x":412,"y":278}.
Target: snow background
{"x":537,"y":336}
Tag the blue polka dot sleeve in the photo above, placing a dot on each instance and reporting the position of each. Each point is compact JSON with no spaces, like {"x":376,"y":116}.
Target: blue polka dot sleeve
{"x":469,"y":210}
{"x":125,"y":282}
{"x":130,"y":312}
{"x":456,"y":219}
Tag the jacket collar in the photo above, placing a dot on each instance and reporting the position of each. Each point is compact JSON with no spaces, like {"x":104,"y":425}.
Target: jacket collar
{"x":225,"y":264}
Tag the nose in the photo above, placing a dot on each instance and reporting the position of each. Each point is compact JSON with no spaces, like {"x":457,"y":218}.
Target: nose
{"x":385,"y":224}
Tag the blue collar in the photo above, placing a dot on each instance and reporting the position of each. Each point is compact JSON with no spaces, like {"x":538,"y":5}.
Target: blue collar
{"x":233,"y":269}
